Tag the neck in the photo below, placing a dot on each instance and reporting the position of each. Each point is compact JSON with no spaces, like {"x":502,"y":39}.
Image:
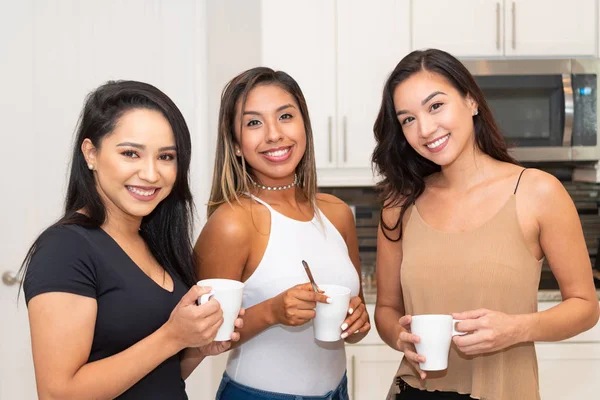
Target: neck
{"x":288,"y":196}
{"x":467,"y":171}
{"x":118,"y":223}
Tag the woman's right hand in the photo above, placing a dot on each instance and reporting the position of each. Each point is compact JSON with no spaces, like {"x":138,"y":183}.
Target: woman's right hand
{"x":192,"y":325}
{"x":406,"y":344}
{"x":296,"y":306}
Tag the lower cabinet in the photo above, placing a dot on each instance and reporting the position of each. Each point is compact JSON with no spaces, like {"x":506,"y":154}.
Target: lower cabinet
{"x":371,"y":370}
{"x":569,"y":370}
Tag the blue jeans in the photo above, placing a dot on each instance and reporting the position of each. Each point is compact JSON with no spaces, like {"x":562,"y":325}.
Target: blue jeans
{"x":231,"y":390}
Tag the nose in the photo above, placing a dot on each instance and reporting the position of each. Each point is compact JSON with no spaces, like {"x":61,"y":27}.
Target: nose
{"x":148,"y":171}
{"x":427,"y":126}
{"x":274,"y":133}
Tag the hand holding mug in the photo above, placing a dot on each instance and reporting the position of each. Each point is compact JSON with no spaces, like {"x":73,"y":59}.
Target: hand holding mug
{"x":491,"y":331}
{"x":296,"y":306}
{"x":190,"y":325}
{"x":357,"y":320}
{"x":406,"y":344}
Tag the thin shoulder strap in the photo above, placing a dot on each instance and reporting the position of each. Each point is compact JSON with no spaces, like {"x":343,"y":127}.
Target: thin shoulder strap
{"x":519,"y":180}
{"x":264,"y":203}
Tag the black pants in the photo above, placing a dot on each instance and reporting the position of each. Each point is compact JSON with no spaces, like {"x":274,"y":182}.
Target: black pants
{"x":408,"y":392}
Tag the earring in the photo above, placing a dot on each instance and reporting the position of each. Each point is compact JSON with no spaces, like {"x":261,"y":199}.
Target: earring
{"x":476,"y":113}
{"x":238,"y":152}
{"x":90,"y":167}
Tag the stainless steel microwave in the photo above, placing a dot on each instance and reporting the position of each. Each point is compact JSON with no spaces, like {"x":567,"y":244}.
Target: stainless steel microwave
{"x":547,"y":110}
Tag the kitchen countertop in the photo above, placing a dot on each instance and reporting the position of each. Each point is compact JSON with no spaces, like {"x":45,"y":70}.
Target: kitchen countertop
{"x":543,"y":295}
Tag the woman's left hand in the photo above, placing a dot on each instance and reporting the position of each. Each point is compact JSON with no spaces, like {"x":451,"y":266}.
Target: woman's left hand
{"x":489,"y":331}
{"x":357,"y":320}
{"x":216,"y":348}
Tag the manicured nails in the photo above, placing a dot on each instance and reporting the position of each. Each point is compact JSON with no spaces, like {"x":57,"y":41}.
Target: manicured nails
{"x":344,"y":326}
{"x":329,"y":301}
{"x":344,"y":335}
{"x":350,"y":310}
{"x":357,"y":331}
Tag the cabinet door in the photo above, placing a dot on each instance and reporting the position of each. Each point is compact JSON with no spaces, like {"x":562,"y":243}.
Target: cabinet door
{"x":550,"y":28}
{"x":577,"y":363}
{"x":371,"y":370}
{"x":372,"y":38}
{"x":464,"y":28}
{"x":298,"y":37}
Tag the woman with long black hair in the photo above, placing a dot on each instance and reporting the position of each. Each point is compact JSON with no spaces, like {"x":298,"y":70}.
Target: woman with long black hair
{"x":108,"y":291}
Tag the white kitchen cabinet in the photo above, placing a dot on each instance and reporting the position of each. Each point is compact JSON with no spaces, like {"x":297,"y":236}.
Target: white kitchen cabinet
{"x":341,"y":63}
{"x":550,"y":28}
{"x":575,"y":363}
{"x":506,"y":28}
{"x":464,"y":28}
{"x":371,"y":370}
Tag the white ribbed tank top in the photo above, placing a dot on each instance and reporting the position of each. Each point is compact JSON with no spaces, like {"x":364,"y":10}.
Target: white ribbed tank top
{"x":287,"y":359}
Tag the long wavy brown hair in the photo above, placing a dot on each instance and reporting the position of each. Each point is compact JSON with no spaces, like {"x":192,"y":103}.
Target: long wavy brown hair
{"x":231,"y":173}
{"x":402,"y":168}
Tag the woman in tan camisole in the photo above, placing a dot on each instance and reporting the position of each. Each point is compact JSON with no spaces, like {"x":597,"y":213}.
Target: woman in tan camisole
{"x":464,"y":231}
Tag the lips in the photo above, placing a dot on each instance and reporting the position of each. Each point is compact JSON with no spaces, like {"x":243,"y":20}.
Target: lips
{"x":143,"y":193}
{"x":278,"y":154}
{"x":438,"y":144}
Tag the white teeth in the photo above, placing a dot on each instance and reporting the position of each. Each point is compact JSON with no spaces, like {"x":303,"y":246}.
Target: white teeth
{"x":278,"y":153}
{"x":141,"y":192}
{"x":438,"y":142}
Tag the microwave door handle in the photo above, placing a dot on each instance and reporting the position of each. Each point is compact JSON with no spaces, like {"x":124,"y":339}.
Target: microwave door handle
{"x":569,"y":109}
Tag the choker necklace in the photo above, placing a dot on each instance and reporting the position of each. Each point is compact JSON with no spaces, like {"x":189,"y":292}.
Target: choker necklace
{"x":263,"y":187}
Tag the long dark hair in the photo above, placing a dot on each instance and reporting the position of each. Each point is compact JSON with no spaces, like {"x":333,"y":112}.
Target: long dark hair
{"x":402,"y":168}
{"x":230,"y":178}
{"x":168,"y":229}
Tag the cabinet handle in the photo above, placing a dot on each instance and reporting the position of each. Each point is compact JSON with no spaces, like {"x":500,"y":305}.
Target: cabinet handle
{"x":514,"y":25}
{"x":330,"y":138}
{"x":345,"y":127}
{"x":353,"y":382}
{"x":498,"y":26}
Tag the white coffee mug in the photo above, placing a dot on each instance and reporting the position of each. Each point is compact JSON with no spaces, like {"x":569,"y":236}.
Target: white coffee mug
{"x":229,"y":295}
{"x":330,"y":316}
{"x":436,"y":332}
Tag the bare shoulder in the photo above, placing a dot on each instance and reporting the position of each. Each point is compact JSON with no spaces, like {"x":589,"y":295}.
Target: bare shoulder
{"x":333,"y":207}
{"x":540,"y":185}
{"x":229,"y":222}
{"x":542,"y":191}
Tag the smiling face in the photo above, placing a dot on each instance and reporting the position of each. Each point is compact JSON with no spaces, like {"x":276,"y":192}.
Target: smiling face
{"x":436,"y":119}
{"x":135,"y":165}
{"x":272,"y":137}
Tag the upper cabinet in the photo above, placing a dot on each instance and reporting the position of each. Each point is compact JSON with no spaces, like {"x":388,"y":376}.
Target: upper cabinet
{"x":340,"y":53}
{"x":513,"y":28}
{"x":465,"y":28}
{"x":550,"y":28}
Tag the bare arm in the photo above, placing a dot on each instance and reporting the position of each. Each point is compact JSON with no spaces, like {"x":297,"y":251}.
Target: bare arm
{"x":62,"y":328}
{"x":563,"y":243}
{"x":390,"y":304}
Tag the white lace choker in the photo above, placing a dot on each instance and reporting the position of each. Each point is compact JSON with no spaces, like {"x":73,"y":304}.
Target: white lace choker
{"x":263,"y":187}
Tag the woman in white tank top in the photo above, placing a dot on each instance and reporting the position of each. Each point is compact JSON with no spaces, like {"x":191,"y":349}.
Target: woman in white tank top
{"x":265,"y":217}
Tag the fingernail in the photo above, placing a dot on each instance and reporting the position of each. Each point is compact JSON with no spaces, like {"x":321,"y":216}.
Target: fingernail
{"x":344,"y":335}
{"x":350,"y":311}
{"x":329,"y":301}
{"x":357,"y":331}
{"x":344,"y":326}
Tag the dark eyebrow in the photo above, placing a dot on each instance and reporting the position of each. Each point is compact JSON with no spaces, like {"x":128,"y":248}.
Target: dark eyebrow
{"x":279,"y":109}
{"x":425,"y":100}
{"x":142,"y":147}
